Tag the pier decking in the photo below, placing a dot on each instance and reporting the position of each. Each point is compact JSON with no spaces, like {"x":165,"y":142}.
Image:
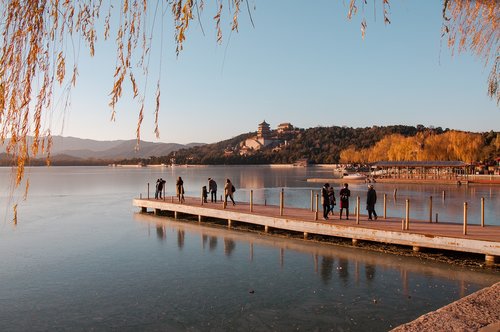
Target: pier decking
{"x":419,"y":235}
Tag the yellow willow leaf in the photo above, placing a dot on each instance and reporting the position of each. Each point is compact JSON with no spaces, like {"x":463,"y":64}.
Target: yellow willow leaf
{"x":14,"y":219}
{"x":134,"y":85}
{"x":26,"y":189}
{"x":139,"y":122}
{"x":352,"y":9}
{"x":157,"y":110}
{"x":2,"y":98}
{"x":61,"y":68}
{"x":75,"y":74}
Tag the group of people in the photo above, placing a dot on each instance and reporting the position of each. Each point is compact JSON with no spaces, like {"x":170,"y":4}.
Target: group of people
{"x":229,"y":190}
{"x":327,"y":195}
{"x":329,"y":201}
{"x":179,"y":188}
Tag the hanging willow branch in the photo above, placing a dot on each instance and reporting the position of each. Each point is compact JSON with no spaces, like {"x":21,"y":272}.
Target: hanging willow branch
{"x":474,"y":26}
{"x":37,"y":35}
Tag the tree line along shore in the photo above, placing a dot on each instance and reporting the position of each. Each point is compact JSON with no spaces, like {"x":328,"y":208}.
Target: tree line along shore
{"x":320,"y":145}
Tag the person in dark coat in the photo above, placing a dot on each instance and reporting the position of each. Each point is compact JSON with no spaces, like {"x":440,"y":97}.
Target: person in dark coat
{"x":344,"y":194}
{"x":157,"y":186}
{"x":179,"y":188}
{"x":325,"y":200}
{"x":333,"y":201}
{"x":160,"y":183}
{"x":371,"y":199}
{"x":212,"y":188}
{"x":204,"y":193}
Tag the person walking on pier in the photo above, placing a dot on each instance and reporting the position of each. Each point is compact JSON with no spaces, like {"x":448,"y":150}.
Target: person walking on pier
{"x":212,"y":187}
{"x":228,"y":191}
{"x":371,"y":199}
{"x":179,"y":186}
{"x":325,"y":200}
{"x":345,"y":193}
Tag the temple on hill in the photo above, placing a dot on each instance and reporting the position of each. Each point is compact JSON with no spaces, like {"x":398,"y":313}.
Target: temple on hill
{"x":263,"y":139}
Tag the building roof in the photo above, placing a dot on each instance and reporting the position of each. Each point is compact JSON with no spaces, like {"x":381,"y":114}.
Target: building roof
{"x":448,"y":163}
{"x":263,"y":123}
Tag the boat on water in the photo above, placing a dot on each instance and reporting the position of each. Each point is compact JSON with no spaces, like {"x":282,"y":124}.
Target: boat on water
{"x":354,"y":176}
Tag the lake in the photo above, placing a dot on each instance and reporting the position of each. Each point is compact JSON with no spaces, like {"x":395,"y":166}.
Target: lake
{"x":82,"y":258}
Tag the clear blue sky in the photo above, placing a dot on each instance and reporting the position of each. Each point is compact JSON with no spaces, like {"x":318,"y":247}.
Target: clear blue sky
{"x":303,"y":63}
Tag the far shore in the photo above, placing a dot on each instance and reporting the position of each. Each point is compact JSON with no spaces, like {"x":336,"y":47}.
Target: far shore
{"x":492,"y":180}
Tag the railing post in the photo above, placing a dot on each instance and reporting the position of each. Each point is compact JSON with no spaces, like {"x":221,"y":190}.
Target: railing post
{"x":357,"y":210}
{"x":312,"y":194}
{"x":282,"y":201}
{"x":430,"y":209}
{"x":465,"y":218}
{"x":385,"y":206}
{"x":317,"y":207}
{"x":148,"y":190}
{"x":407,"y":219}
{"x":482,"y":211}
{"x":251,"y":200}
{"x":444,"y":195}
{"x":201,"y":196}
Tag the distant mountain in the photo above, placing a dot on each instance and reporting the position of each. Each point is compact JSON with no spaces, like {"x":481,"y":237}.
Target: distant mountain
{"x":72,"y":147}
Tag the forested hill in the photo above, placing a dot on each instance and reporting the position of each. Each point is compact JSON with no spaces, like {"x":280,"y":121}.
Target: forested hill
{"x":319,"y":145}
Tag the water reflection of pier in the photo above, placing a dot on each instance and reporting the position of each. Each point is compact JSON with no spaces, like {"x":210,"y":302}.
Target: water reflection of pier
{"x":328,"y":261}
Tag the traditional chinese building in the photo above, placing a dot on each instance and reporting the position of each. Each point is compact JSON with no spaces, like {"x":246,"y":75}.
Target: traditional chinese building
{"x":264,"y":130}
{"x":284,"y":127}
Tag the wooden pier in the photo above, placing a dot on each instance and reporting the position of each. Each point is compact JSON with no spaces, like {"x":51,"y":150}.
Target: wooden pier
{"x":417,"y":234}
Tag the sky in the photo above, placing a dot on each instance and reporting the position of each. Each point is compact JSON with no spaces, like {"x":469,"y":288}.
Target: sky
{"x":303,"y":62}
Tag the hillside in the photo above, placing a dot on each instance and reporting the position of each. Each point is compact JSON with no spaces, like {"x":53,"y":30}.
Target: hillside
{"x":322,"y":145}
{"x":77,"y":151}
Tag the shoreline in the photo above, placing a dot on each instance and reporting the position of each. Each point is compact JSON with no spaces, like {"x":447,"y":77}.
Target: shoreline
{"x":408,"y":181}
{"x":475,"y":312}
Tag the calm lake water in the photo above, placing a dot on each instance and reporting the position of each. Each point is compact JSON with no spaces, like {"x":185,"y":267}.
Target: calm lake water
{"x":82,"y":258}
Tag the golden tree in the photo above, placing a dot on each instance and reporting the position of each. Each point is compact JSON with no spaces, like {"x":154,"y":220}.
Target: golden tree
{"x":36,"y":56}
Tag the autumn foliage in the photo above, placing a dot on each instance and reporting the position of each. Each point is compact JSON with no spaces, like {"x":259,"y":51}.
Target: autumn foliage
{"x":451,"y":145}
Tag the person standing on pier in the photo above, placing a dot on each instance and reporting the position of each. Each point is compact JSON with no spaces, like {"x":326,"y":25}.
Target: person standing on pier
{"x":228,"y":191}
{"x":179,"y":186}
{"x":159,"y":188}
{"x":204,"y":193}
{"x":212,"y":187}
{"x":345,"y":193}
{"x":333,"y":201}
{"x":371,"y":199}
{"x":325,"y":200}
